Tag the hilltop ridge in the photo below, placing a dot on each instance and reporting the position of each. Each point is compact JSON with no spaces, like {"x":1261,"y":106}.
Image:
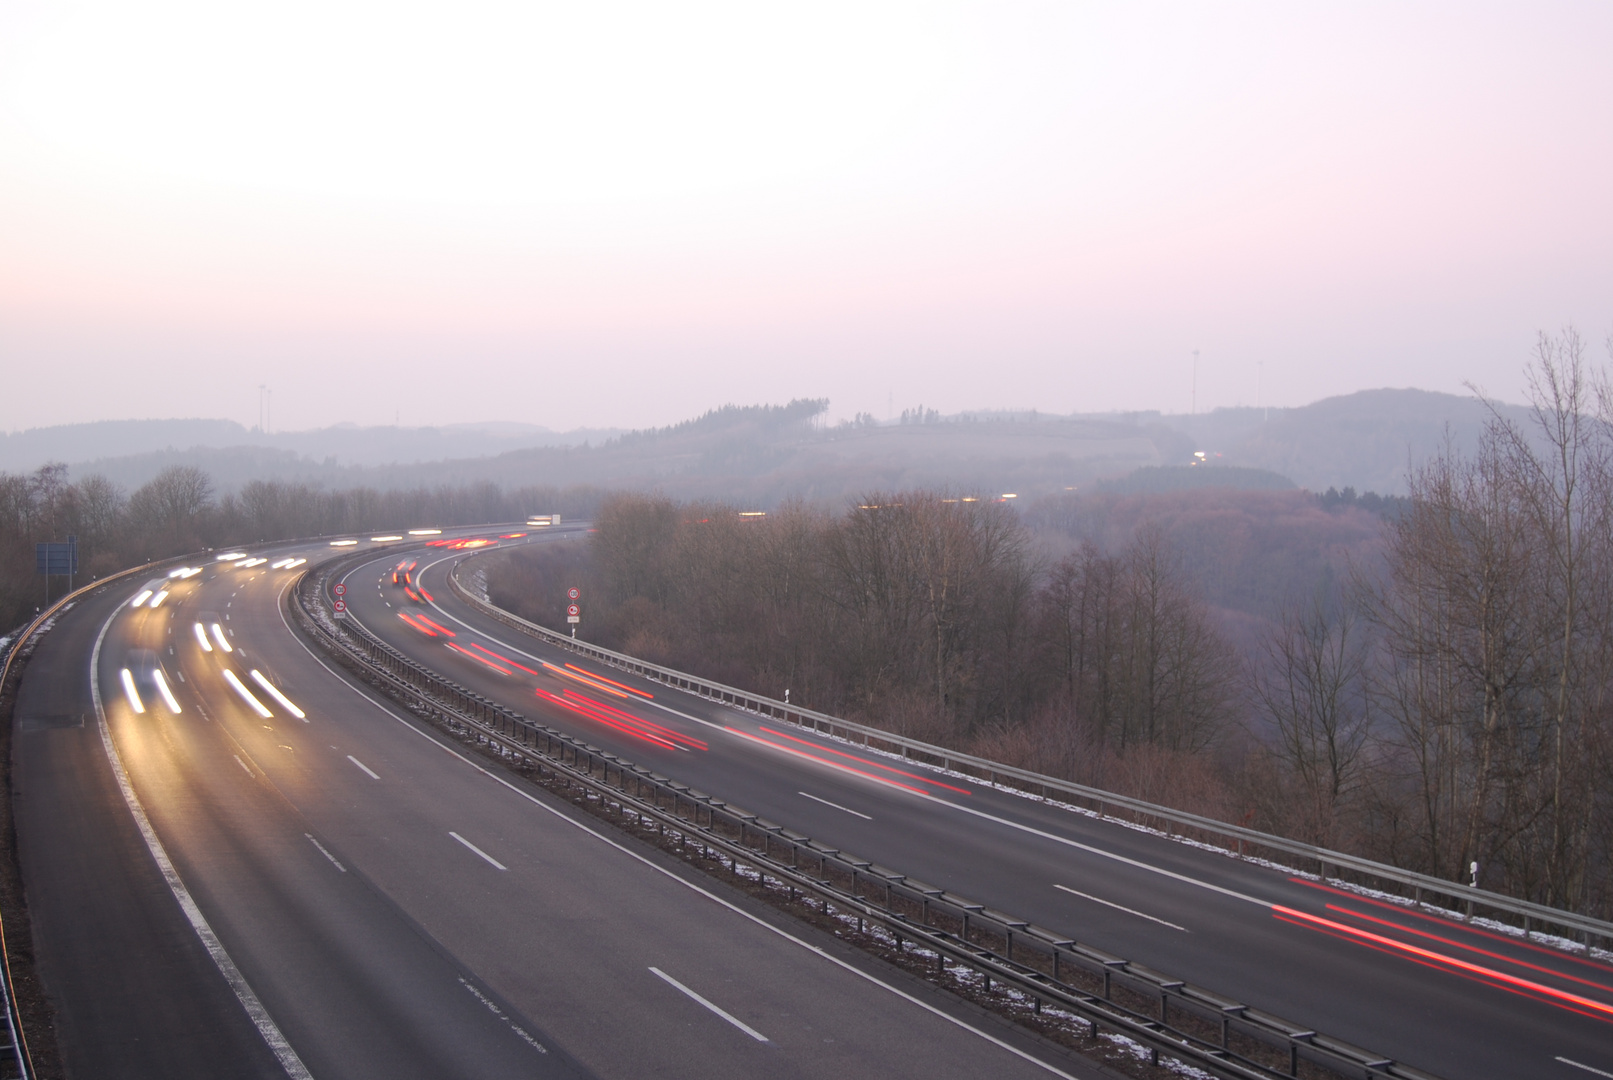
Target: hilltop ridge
{"x":766,"y":453}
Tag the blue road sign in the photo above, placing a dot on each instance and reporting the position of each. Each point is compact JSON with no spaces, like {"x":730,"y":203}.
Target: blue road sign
{"x":57,"y":558}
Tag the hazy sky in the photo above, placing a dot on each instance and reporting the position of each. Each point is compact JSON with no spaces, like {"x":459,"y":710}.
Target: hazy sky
{"x":603,"y":213}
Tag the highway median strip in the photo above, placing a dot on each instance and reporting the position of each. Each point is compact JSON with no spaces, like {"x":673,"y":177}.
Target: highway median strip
{"x":1022,"y":967}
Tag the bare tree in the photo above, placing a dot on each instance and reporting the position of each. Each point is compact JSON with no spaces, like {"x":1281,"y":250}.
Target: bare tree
{"x":169,"y":507}
{"x":1312,"y":689}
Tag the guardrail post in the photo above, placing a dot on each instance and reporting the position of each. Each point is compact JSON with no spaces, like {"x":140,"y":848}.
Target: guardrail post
{"x":1270,"y":1032}
{"x":1293,"y":1050}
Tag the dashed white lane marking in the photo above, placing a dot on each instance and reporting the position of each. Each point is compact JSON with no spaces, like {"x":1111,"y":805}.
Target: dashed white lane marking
{"x":1587,"y":1068}
{"x":325,"y":853}
{"x":728,"y":1016}
{"x":477,"y":850}
{"x":368,"y":771}
{"x":837,"y":806}
{"x":1119,"y":907}
{"x":268,"y":1030}
{"x":754,"y":920}
{"x":244,"y":765}
{"x":1055,"y":837}
{"x":1066,"y":841}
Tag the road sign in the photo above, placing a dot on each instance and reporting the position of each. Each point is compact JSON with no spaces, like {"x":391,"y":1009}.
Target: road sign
{"x":61,"y":558}
{"x":339,"y":589}
{"x":340,"y":607}
{"x":573,"y":610}
{"x":573,"y":594}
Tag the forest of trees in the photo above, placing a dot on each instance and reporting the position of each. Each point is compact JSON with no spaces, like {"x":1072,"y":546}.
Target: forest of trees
{"x":177,"y":512}
{"x":1426,"y":680}
{"x":1432,"y":690}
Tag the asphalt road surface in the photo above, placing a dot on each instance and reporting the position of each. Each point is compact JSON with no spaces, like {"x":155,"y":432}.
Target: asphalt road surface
{"x":222,"y":888}
{"x":1451,"y":998}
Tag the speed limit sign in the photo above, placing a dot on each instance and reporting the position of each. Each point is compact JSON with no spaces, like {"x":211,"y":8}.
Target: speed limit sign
{"x":572,"y":594}
{"x":339,"y":589}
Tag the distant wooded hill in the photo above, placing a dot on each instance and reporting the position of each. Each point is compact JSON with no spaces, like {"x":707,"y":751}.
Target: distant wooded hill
{"x":764,"y":454}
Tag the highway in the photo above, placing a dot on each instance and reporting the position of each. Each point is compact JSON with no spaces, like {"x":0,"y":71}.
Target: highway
{"x":1453,"y":999}
{"x":221,"y":887}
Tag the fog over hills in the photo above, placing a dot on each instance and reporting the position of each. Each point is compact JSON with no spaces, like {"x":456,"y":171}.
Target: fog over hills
{"x":763,"y":454}
{"x":344,"y":444}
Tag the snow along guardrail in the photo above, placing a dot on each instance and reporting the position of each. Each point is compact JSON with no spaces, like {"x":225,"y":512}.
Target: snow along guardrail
{"x":1170,"y":1017}
{"x":1423,"y":889}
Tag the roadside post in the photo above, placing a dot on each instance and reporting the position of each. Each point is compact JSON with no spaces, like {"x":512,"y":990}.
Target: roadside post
{"x":58,"y":559}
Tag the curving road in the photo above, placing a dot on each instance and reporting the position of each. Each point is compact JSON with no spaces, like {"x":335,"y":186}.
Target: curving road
{"x":220,"y":887}
{"x":1454,"y":999}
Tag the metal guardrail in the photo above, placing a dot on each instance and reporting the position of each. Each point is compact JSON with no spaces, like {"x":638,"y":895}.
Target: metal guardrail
{"x":1168,"y":1016}
{"x":1237,"y":840}
{"x":14,"y":1048}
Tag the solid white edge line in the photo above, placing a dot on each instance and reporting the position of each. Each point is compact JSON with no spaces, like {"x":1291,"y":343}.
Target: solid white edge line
{"x":690,"y":885}
{"x":367,"y":770}
{"x":245,"y":766}
{"x":922,"y":795}
{"x":1120,"y":907}
{"x":719,"y":1010}
{"x":837,"y":806}
{"x":478,"y":851}
{"x":540,"y":660}
{"x":1587,"y":1068}
{"x":1055,"y":837}
{"x":267,"y":1028}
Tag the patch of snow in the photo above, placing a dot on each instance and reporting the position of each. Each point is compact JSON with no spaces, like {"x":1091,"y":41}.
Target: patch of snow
{"x":1537,"y":936}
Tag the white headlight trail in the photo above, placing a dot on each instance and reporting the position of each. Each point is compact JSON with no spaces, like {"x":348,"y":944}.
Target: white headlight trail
{"x":246,"y":695}
{"x":167,"y":694}
{"x":274,"y":692}
{"x":133,"y":695}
